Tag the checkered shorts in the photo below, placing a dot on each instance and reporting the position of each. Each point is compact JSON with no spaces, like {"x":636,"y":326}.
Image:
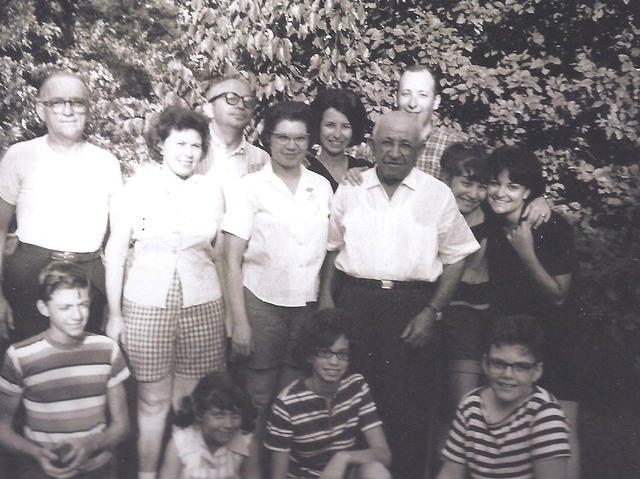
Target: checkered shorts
{"x":187,"y":342}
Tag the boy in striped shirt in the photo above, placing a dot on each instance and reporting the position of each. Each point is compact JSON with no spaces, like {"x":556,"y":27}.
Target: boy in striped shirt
{"x":316,"y":420}
{"x":510,"y":428}
{"x":69,"y":383}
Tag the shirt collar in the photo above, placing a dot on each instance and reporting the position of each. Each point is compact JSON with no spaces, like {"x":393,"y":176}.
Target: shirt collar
{"x":370,"y":179}
{"x":170,"y":179}
{"x":217,"y":144}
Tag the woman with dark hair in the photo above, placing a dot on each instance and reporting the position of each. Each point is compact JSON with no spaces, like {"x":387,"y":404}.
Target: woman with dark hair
{"x":339,"y":121}
{"x":276,"y":228}
{"x":168,"y":307}
{"x":213,"y":435}
{"x":316,"y":420}
{"x":530,"y":272}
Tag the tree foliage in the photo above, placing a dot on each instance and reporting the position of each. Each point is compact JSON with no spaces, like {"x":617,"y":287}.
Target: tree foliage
{"x":561,"y":78}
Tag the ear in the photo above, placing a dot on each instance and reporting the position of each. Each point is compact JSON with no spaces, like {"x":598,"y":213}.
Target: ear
{"x":485,"y":365}
{"x":40,"y":111}
{"x":42,"y":308}
{"x":436,"y":102}
{"x":527,"y":193}
{"x":537,"y":372}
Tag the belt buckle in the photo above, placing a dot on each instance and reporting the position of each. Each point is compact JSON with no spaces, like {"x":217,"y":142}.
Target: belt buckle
{"x":386,"y":284}
{"x":64,"y":256}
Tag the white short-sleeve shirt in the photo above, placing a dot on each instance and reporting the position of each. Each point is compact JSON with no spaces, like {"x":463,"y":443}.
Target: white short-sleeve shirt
{"x":286,"y":234}
{"x":62,"y":200}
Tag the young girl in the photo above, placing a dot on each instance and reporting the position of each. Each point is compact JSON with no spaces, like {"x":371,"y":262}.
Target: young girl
{"x":212,"y":439}
{"x":316,"y":420}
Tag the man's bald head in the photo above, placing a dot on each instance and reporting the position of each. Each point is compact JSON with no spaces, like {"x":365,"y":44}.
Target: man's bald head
{"x":62,"y":75}
{"x":399,"y":120}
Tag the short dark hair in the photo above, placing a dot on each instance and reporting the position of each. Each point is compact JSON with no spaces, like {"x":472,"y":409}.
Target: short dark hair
{"x":179,"y":118}
{"x":423,"y":68}
{"x":523,"y":167}
{"x":61,"y":275}
{"x":346,"y":102}
{"x":217,"y":389}
{"x":466,"y":159}
{"x":285,"y":110}
{"x":320,"y":331}
{"x":520,"y":329}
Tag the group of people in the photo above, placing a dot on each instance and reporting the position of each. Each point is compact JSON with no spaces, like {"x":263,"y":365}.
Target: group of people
{"x":299,"y":309}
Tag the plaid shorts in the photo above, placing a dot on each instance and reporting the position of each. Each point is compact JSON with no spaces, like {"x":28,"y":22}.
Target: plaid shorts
{"x":187,"y":342}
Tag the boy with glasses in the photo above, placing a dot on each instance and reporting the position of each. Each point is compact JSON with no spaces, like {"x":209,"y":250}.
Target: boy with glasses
{"x":512,"y":427}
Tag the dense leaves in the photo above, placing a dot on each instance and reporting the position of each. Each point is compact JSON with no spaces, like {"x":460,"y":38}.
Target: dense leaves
{"x":562,"y":78}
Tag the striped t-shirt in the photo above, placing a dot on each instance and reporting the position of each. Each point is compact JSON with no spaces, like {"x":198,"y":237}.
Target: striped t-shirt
{"x":536,"y":430}
{"x":303,"y":425}
{"x":63,"y":387}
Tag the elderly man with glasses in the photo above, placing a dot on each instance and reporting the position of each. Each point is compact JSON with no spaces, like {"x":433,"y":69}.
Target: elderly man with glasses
{"x":60,"y":188}
{"x":230,"y":155}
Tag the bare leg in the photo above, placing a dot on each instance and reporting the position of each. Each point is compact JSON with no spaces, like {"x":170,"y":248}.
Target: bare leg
{"x":181,"y":387}
{"x":371,"y":470}
{"x":154,"y":400}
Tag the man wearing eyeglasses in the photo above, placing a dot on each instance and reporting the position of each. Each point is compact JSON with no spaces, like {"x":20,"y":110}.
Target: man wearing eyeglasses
{"x":230,"y":155}
{"x":399,"y":244}
{"x":60,"y":188}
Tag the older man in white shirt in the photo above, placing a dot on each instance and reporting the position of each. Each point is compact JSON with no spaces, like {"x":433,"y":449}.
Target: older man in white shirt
{"x":399,"y":245}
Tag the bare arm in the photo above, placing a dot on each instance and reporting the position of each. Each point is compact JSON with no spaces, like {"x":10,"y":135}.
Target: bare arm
{"x":218,"y":261}
{"x":6,"y":316}
{"x":250,"y":468}
{"x":420,"y":328}
{"x":279,"y":465}
{"x":327,"y":273}
{"x":551,"y":468}
{"x":234,"y":248}
{"x":171,"y":465}
{"x":115,"y":260}
{"x":452,"y":470}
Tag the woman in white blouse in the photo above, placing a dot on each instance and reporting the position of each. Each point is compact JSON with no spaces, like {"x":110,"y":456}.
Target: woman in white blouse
{"x":168,"y":307}
{"x":275,"y":241}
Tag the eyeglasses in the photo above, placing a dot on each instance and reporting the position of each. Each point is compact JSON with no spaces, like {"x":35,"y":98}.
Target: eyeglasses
{"x":500,"y":366}
{"x":326,"y":353}
{"x":284,"y":140}
{"x":57,"y":105}
{"x":232,"y":98}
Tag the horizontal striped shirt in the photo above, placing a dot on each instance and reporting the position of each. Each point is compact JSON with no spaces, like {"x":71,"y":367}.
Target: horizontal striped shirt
{"x":302,"y":424}
{"x":63,"y":387}
{"x":506,"y":450}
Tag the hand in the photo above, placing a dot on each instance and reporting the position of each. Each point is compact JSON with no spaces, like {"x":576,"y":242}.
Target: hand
{"x":75,"y":452}
{"x":353,"y":176}
{"x":325,"y":301}
{"x":115,"y":326}
{"x":46,"y":456}
{"x":336,"y":467}
{"x":420,"y":328}
{"x":521,"y":240}
{"x":537,"y":212}
{"x":6,"y":318}
{"x":242,"y":339}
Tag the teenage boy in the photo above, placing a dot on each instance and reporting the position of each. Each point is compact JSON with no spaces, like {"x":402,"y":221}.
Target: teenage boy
{"x":316,"y":419}
{"x":69,"y":383}
{"x":512,"y":427}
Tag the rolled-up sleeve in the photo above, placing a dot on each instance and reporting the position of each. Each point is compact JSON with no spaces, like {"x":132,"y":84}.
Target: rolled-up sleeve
{"x":9,"y":179}
{"x":238,"y":217}
{"x":455,"y":239}
{"x":336,"y":228}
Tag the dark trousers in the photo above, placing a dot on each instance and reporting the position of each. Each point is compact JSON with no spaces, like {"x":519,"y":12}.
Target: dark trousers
{"x":406,"y":382}
{"x":21,"y":288}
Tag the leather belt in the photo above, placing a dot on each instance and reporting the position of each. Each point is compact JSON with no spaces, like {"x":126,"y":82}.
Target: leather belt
{"x":388,"y":283}
{"x":58,"y":255}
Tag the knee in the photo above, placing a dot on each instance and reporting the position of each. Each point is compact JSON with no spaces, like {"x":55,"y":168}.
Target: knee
{"x":373,"y":470}
{"x":153,"y":401}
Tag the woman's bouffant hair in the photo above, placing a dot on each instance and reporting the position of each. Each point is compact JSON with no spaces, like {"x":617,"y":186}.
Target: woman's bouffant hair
{"x":320,"y":331}
{"x":216,"y":390}
{"x":177,"y":118}
{"x":466,"y":159}
{"x":346,"y":102}
{"x":285,"y":110}
{"x":523,"y":167}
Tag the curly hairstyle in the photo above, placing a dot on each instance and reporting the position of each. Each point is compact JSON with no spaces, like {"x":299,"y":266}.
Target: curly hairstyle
{"x":177,"y":118}
{"x":216,"y":390}
{"x":285,"y":110}
{"x":346,"y":102}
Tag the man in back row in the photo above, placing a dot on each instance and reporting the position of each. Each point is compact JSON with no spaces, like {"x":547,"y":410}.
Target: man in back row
{"x":60,"y":187}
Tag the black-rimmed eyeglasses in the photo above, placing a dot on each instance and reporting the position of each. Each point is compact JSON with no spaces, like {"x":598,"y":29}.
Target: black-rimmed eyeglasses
{"x":57,"y":105}
{"x":326,"y":353}
{"x":500,"y":366}
{"x":232,"y":98}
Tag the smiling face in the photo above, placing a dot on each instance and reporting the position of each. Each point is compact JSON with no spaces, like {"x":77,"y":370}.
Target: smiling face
{"x":289,"y":142}
{"x":417,"y":96}
{"x":218,"y":426}
{"x":395,"y":146}
{"x":469,"y":192}
{"x":326,"y":367}
{"x":514,"y":383}
{"x":68,"y":312}
{"x":68,"y":124}
{"x":505,"y":197}
{"x":335,"y":132}
{"x":235,"y":116}
{"x":181,"y":152}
